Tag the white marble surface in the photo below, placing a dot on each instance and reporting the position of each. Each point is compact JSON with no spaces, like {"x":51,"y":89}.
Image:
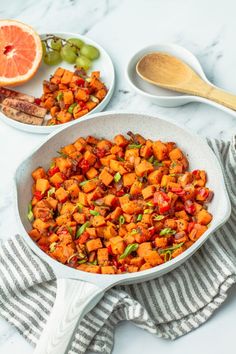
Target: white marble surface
{"x":207,"y":28}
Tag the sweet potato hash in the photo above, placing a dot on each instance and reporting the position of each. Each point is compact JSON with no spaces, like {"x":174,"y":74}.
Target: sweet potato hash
{"x":114,"y":207}
{"x":70,"y":95}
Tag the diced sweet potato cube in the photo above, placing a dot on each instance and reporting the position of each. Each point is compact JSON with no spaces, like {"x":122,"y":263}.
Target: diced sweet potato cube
{"x":57,"y":179}
{"x":136,"y":188}
{"x":109,"y":232}
{"x":132,"y":268}
{"x":182,"y":215}
{"x":110,"y":200}
{"x":144,"y":248}
{"x":90,"y":186}
{"x":67,"y":208}
{"x":38,"y":173}
{"x":102,"y":256}
{"x":67,"y":77}
{"x":105,"y":161}
{"x":117,"y":166}
{"x":148,"y":192}
{"x":63,"y":219}
{"x":83,"y":199}
{"x":131,"y":154}
{"x":64,"y":116}
{"x":176,"y":154}
{"x":79,"y":218}
{"x":143,"y":168}
{"x":155,"y":177}
{"x":92,"y":173}
{"x":73,"y":190}
{"x":161,"y":242}
{"x":82,"y":95}
{"x":59,"y":72}
{"x":182,"y":225}
{"x":129,"y":179}
{"x":40,"y":225}
{"x":132,"y":207}
{"x":98,"y":220}
{"x":146,"y":151}
{"x":93,"y":269}
{"x":105,"y":177}
{"x":160,"y":150}
{"x":153,"y":258}
{"x":120,"y":140}
{"x":90,"y":157}
{"x":145,"y":266}
{"x":116,"y":213}
{"x":203,"y":217}
{"x":93,"y":245}
{"x":92,"y":232}
{"x":166,"y":179}
{"x":35,"y":234}
{"x":108,"y":270}
{"x":42,"y":185}
{"x":137,"y":261}
{"x":68,"y":97}
{"x":61,"y":194}
{"x":117,"y":245}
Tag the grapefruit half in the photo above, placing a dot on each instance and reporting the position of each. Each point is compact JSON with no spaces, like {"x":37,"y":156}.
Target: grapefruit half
{"x":20,"y":52}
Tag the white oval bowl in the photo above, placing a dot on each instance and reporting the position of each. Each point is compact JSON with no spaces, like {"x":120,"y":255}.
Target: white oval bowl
{"x":107,"y":125}
{"x":34,"y":87}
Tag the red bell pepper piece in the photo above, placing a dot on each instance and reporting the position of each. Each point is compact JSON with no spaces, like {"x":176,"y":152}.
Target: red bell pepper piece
{"x":84,"y":165}
{"x":189,"y":207}
{"x":38,"y":195}
{"x":179,"y":191}
{"x":53,"y":170}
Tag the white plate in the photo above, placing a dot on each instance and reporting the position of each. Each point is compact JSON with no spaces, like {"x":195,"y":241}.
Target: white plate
{"x":35,"y":86}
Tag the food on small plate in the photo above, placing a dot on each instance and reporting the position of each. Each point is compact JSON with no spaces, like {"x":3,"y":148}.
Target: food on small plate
{"x":69,"y":95}
{"x":20,"y":107}
{"x":72,"y":50}
{"x":20,"y":52}
{"x":118,"y":206}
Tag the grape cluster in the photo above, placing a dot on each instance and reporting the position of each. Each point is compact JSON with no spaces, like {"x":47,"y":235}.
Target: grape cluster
{"x":72,"y":50}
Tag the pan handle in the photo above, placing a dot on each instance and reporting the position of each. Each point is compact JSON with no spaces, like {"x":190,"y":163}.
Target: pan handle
{"x":74,"y":299}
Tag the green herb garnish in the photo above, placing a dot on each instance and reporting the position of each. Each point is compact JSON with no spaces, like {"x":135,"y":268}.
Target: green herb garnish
{"x":59,"y":96}
{"x":86,"y":181}
{"x":94,"y":262}
{"x":120,"y":158}
{"x":148,"y":211}
{"x":157,"y":163}
{"x":117,"y":177}
{"x":139,"y":217}
{"x":62,"y":154}
{"x":121,"y":219}
{"x":134,"y":232}
{"x":72,"y":106}
{"x":149,"y":204}
{"x":81,"y":261}
{"x":94,"y":212}
{"x":151,"y":159}
{"x":82,"y":228}
{"x":134,"y":146}
{"x":168,"y":256}
{"x":51,"y":191}
{"x":158,"y":217}
{"x":167,"y":231}
{"x":172,"y":248}
{"x":69,"y":229}
{"x":30,"y":214}
{"x":52,"y":247}
{"x":129,"y":249}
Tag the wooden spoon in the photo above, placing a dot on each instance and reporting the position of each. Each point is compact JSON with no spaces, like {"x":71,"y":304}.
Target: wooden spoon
{"x":169,"y":72}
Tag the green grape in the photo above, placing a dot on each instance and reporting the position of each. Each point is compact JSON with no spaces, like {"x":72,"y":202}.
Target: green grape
{"x":90,"y":51}
{"x":56,"y":44}
{"x":44,"y":47}
{"x":68,"y":54}
{"x":76,"y":41}
{"x":52,"y":58}
{"x":83,"y":62}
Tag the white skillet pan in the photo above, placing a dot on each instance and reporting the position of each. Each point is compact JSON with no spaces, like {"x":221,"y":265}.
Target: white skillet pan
{"x":78,"y":291}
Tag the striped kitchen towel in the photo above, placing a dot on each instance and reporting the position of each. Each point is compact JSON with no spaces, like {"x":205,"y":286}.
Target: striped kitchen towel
{"x":169,"y":306}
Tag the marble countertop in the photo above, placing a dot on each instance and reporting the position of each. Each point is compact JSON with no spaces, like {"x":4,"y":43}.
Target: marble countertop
{"x":207,"y":28}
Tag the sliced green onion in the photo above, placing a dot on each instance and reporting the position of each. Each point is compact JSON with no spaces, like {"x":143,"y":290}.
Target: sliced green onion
{"x":79,"y":206}
{"x":69,"y":229}
{"x":158,"y":217}
{"x":59,"y":96}
{"x":168,"y":256}
{"x":129,"y":249}
{"x":134,"y":146}
{"x":140,"y":216}
{"x":30,"y":214}
{"x":94,"y":262}
{"x":72,"y":106}
{"x":151,"y":159}
{"x":172,"y":248}
{"x":149,"y":204}
{"x":94,"y":212}
{"x":82,"y":228}
{"x":120,"y":158}
{"x":134,"y":232}
{"x":117,"y":177}
{"x":51,"y":191}
{"x":52,"y":164}
{"x":157,"y":163}
{"x":52,"y":247}
{"x":148,"y":211}
{"x":62,"y":154}
{"x":94,"y":99}
{"x":167,"y":231}
{"x":81,"y":261}
{"x":121,"y":219}
{"x":86,"y":181}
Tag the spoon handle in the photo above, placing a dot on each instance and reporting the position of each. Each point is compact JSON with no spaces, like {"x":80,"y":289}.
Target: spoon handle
{"x":219,"y":96}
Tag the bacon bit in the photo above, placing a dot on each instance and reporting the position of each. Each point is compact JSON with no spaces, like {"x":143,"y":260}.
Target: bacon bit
{"x":84,"y":165}
{"x":53,"y":170}
{"x":120,"y":193}
{"x":80,"y":82}
{"x":100,"y":153}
